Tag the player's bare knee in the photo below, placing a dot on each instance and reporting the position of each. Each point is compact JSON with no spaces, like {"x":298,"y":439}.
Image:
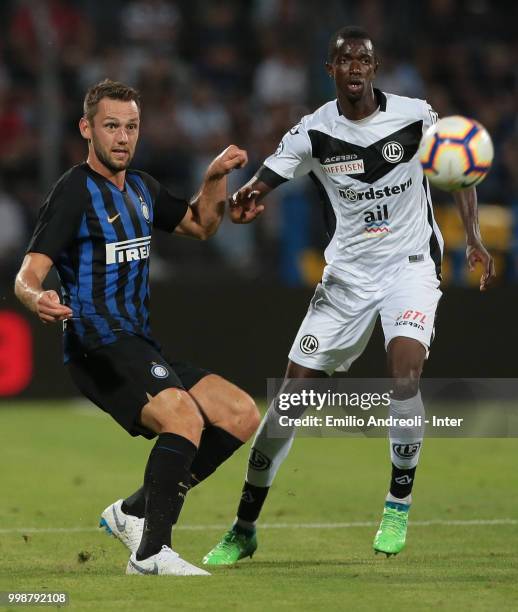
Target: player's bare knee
{"x":249,"y":417}
{"x":242,"y":417}
{"x":173,"y":410}
{"x":185,"y":415}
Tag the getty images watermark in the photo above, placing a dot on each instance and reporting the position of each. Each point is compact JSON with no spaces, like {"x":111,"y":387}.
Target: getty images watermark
{"x":311,"y":399}
{"x":342,"y":406}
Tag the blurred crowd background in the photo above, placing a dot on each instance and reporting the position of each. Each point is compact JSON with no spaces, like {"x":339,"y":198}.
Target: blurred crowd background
{"x":214,"y":73}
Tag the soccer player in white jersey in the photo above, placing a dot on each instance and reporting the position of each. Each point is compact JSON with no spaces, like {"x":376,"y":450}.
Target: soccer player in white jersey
{"x":383,"y":259}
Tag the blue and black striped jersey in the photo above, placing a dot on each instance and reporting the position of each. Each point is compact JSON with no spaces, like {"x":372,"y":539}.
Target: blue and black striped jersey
{"x":99,"y":239}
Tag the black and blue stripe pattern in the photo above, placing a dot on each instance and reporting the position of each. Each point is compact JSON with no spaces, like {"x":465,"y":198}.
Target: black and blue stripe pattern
{"x":99,"y":239}
{"x":108,"y":297}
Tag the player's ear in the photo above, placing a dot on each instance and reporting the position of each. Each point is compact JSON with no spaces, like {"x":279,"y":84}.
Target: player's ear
{"x":84,"y":128}
{"x":329,"y":69}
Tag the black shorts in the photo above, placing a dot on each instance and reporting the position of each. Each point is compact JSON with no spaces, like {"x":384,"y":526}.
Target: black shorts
{"x":117,"y":377}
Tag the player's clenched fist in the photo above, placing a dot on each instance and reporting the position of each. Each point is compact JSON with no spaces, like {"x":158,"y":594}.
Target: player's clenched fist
{"x":231,"y":158}
{"x":49,"y":309}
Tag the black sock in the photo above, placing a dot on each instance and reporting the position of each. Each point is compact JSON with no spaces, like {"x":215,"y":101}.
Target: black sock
{"x":216,"y":446}
{"x":252,"y":500}
{"x":166,"y":481}
{"x":135,"y":504}
{"x":401,"y":482}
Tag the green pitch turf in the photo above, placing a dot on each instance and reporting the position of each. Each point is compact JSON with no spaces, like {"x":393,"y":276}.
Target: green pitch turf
{"x":61,"y":465}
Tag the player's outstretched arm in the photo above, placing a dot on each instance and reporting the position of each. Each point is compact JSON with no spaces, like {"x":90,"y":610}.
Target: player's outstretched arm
{"x":28,"y":288}
{"x":476,"y":252}
{"x":206,"y":209}
{"x":244,"y":205}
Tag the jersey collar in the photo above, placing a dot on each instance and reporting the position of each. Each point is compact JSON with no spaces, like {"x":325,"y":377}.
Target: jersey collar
{"x":381,"y":99}
{"x":89,"y":169}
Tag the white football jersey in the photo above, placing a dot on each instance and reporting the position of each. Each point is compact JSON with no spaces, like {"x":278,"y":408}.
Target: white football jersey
{"x":378,"y":200}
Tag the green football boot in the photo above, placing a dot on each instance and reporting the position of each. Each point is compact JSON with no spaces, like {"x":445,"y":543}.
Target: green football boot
{"x":235,"y":545}
{"x":391,"y":536}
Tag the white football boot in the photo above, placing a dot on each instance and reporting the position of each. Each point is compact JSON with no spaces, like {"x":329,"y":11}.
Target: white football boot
{"x":164,"y":563}
{"x":125,"y":527}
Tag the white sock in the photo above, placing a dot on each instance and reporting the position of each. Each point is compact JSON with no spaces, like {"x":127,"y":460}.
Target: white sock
{"x":406,"y":500}
{"x":406,"y":442}
{"x":267,"y":454}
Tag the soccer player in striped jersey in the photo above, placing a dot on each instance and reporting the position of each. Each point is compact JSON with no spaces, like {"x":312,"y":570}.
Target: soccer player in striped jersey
{"x":95,"y":228}
{"x":383,"y":259}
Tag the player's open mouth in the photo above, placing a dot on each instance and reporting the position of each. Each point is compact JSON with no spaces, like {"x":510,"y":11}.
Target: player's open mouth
{"x":354,"y":86}
{"x":120,"y":152}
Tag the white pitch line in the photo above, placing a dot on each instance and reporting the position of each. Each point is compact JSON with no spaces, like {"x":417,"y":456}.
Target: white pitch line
{"x":431,"y":523}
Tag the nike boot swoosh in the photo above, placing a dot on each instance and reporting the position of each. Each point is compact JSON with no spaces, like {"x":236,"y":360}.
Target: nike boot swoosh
{"x":120,"y":526}
{"x":143,"y":570}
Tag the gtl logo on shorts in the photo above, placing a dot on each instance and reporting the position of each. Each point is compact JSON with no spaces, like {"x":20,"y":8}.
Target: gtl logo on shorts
{"x":411,"y":318}
{"x":128,"y":250}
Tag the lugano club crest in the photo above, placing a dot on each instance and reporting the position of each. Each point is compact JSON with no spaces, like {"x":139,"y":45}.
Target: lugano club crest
{"x":308,"y":344}
{"x":392,"y":152}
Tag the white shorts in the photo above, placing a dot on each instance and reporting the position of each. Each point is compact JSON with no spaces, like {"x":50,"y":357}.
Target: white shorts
{"x":341,"y":316}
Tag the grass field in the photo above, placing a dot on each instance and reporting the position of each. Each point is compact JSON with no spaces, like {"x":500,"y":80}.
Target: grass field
{"x":61,"y":465}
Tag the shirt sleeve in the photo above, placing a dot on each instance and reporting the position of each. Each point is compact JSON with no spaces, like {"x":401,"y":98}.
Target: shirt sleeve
{"x":430,"y":117}
{"x":60,"y":216}
{"x":168,"y":210}
{"x":293,"y":155}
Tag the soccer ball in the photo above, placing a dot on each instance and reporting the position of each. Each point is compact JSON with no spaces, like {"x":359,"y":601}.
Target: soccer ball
{"x":456,"y":153}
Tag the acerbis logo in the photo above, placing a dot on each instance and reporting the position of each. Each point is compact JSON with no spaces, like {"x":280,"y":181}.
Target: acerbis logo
{"x":406,"y":451}
{"x":308,"y":344}
{"x":338,"y":159}
{"x":258,"y":460}
{"x":393,"y":152}
{"x":159,"y":371}
{"x":128,"y":250}
{"x":374,"y":194}
{"x":403,"y":480}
